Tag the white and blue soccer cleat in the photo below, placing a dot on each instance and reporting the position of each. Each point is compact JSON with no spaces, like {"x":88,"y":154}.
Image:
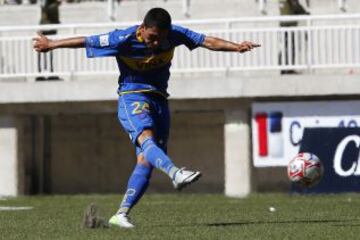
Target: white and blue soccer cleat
{"x":183,"y":177}
{"x":121,"y":220}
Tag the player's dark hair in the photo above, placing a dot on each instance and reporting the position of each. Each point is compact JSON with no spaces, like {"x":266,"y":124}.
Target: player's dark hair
{"x":158,"y":17}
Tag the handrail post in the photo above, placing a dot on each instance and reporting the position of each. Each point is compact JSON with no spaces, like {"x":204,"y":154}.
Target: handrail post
{"x":309,"y":45}
{"x":227,"y":56}
{"x":72,"y":56}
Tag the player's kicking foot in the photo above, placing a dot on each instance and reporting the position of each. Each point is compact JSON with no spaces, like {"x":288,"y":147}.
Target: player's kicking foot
{"x":121,"y":220}
{"x":184,"y":177}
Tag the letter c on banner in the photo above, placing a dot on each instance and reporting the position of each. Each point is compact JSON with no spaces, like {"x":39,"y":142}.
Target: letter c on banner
{"x":339,"y":153}
{"x":293,"y":126}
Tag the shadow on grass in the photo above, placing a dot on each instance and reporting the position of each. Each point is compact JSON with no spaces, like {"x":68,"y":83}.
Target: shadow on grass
{"x":332,"y":222}
{"x":336,"y":221}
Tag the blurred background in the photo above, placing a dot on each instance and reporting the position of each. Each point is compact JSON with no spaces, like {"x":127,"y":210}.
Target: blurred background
{"x":238,"y":118}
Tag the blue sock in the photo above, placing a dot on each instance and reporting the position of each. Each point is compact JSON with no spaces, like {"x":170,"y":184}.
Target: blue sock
{"x":137,"y":185}
{"x":157,"y":157}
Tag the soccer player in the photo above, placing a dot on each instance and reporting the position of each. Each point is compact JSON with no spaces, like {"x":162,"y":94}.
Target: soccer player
{"x":144,"y":54}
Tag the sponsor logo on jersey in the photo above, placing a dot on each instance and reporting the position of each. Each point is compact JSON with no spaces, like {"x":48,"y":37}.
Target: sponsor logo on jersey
{"x":149,"y":62}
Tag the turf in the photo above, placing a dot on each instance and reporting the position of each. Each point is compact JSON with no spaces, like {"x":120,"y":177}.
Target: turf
{"x":184,"y":216}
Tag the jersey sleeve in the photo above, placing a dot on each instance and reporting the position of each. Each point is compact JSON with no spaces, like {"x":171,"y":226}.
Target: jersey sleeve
{"x":187,"y":37}
{"x":104,"y":45}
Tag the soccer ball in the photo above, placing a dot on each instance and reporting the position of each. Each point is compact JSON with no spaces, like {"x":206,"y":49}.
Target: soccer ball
{"x":305,"y":169}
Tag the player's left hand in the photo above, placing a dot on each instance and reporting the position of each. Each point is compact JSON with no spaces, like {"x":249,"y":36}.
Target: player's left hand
{"x":247,"y":46}
{"x":41,"y":43}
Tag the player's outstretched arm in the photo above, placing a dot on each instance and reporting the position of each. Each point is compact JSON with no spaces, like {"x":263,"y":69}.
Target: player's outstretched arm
{"x":43,"y":44}
{"x":218,"y":44}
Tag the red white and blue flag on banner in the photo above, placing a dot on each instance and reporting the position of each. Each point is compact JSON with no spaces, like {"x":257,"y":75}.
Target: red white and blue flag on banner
{"x":269,"y":129}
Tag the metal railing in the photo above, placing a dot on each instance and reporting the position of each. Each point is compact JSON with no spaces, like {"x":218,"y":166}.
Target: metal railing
{"x":317,"y":42}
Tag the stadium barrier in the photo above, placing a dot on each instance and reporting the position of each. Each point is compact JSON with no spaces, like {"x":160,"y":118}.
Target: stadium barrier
{"x":319,"y":42}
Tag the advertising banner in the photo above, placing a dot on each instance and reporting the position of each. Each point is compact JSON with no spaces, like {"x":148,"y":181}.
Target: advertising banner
{"x":277,"y":127}
{"x":338,"y":149}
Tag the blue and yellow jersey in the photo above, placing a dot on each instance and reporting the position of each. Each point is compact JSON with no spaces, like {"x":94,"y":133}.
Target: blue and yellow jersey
{"x":141,"y":69}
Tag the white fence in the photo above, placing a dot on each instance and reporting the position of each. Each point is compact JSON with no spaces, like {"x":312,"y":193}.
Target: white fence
{"x":317,"y":42}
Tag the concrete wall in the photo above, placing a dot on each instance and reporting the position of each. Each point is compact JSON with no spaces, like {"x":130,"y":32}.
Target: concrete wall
{"x":69,"y":139}
{"x":87,"y":153}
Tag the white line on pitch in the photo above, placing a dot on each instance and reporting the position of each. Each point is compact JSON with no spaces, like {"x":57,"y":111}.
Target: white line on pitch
{"x":8,"y":208}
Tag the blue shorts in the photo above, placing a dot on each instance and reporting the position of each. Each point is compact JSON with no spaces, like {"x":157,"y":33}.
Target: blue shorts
{"x":140,"y":111}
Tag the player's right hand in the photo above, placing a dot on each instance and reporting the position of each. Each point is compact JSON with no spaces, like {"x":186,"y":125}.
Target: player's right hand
{"x":247,"y":46}
{"x":41,"y":43}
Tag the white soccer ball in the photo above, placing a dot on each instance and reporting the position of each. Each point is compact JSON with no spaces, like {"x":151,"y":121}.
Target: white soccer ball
{"x":305,"y":169}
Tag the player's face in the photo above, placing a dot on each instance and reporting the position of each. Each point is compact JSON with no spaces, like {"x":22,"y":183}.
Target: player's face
{"x":153,"y":36}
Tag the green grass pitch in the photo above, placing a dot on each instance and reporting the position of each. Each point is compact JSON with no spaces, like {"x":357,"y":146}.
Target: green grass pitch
{"x":187,"y":216}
